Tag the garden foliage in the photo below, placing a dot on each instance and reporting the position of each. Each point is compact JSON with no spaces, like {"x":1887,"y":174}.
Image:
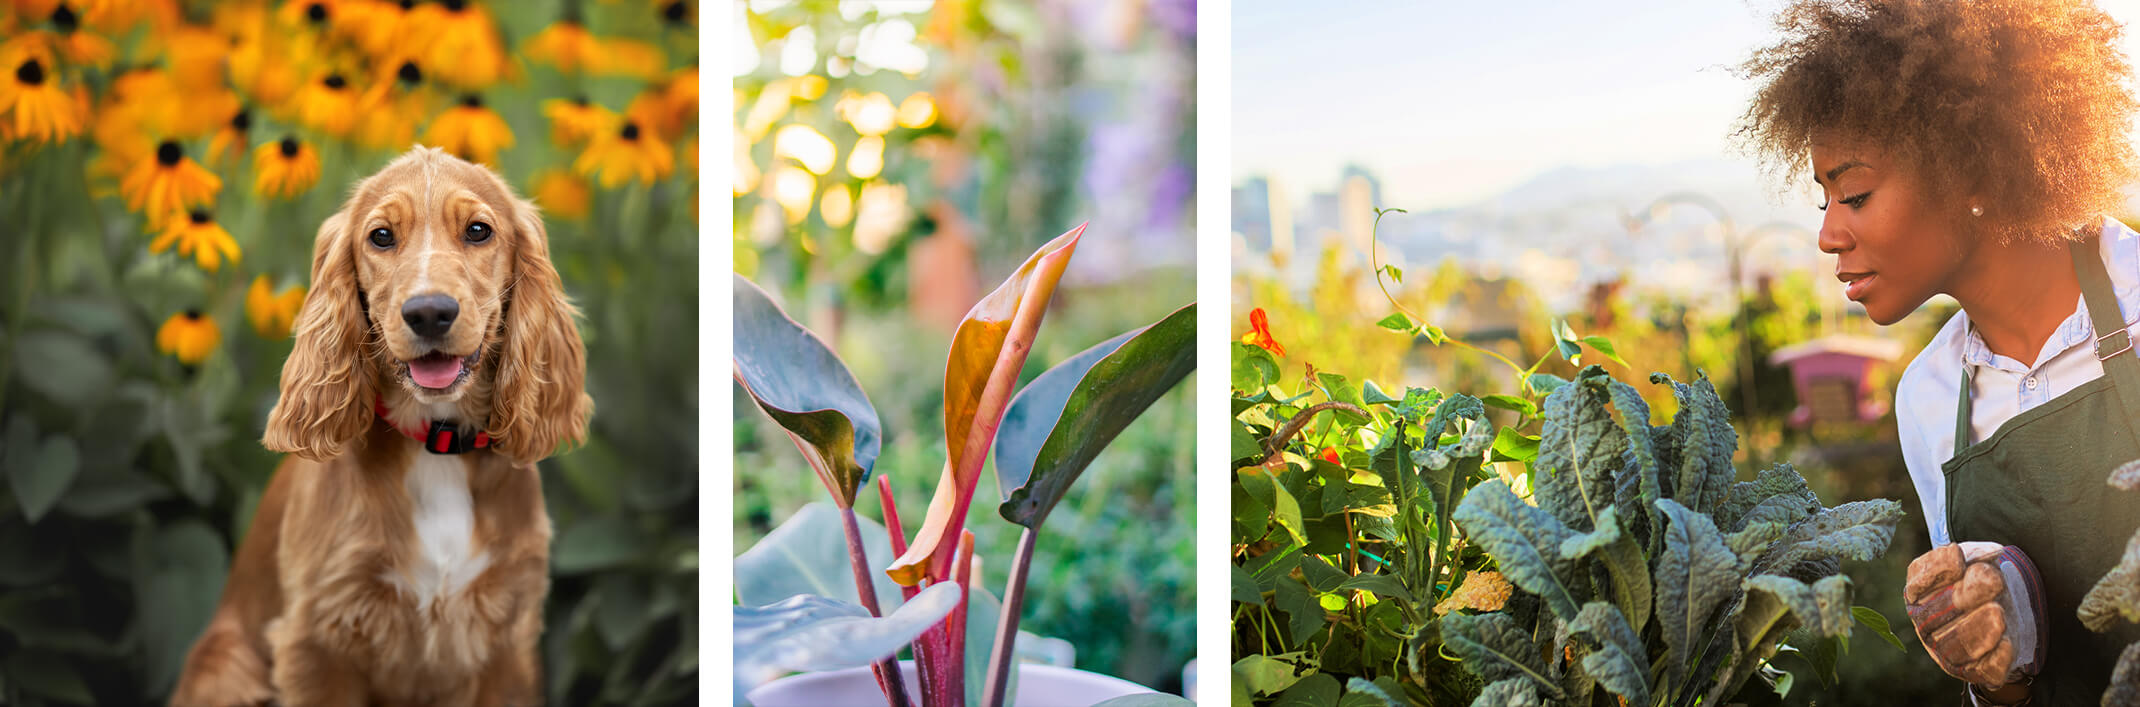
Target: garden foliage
{"x":2116,"y":597}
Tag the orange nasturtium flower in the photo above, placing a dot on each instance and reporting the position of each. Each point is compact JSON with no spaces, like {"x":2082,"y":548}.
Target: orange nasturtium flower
{"x":198,"y":235}
{"x":1260,"y":333}
{"x":190,"y":336}
{"x":1330,"y":454}
{"x":271,"y":314}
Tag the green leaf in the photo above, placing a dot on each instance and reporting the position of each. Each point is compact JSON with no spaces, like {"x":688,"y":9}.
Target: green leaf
{"x":1342,"y":390}
{"x":1361,"y":693}
{"x":1434,"y":334}
{"x":1284,"y":508}
{"x":1270,"y":674}
{"x":1632,"y":589}
{"x":48,"y":675}
{"x":1494,"y":648}
{"x":1695,"y":576}
{"x":1604,"y":346}
{"x":1380,"y":584}
{"x":1707,"y":442}
{"x":1417,"y":403}
{"x":1396,"y":274}
{"x":1859,"y":530}
{"x":1525,"y":541}
{"x":1777,"y":494}
{"x":1373,"y":394}
{"x":798,"y":381}
{"x":63,"y":367}
{"x":1633,"y":415}
{"x":1510,"y":402}
{"x":1510,"y":445}
{"x":183,"y":566}
{"x":1822,"y":607}
{"x":813,"y":633}
{"x":1397,"y":321}
{"x":1065,"y":417}
{"x":1318,"y":690}
{"x":1508,"y":693}
{"x":1546,"y":383}
{"x":1304,"y":613}
{"x":1243,"y":443}
{"x":1872,"y":618}
{"x":595,"y":543}
{"x":39,"y":483}
{"x":1253,"y":368}
{"x":1619,"y":662}
{"x":1244,"y":587}
{"x":807,"y":554}
{"x":1579,"y":453}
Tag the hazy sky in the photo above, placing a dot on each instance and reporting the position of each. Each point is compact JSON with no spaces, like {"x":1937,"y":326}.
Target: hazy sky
{"x":1453,"y":101}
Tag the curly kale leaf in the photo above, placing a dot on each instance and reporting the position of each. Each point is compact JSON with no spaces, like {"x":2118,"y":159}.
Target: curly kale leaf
{"x":1508,"y":693}
{"x":1626,"y":569}
{"x":1617,"y":659}
{"x":1696,"y":575}
{"x":1859,"y":530}
{"x":1579,"y":452}
{"x":2117,"y":594}
{"x":1525,"y":541}
{"x":1706,"y":443}
{"x":1496,"y":649}
{"x":1777,"y":495}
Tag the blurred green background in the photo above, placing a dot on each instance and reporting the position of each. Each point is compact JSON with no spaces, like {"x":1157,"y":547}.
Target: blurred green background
{"x":131,"y":474}
{"x":894,"y":162}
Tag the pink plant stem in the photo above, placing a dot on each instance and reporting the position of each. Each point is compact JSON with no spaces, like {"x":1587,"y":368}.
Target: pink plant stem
{"x":955,"y":629}
{"x":999,"y":661}
{"x":889,"y":679}
{"x":891,"y":525}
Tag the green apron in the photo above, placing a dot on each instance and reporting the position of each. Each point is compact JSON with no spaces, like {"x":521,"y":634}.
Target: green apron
{"x":2039,"y":483}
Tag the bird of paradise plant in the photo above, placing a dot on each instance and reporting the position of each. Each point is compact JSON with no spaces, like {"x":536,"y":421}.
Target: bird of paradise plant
{"x":1043,"y":438}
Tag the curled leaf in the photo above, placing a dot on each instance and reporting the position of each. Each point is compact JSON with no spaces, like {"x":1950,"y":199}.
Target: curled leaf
{"x":798,"y":381}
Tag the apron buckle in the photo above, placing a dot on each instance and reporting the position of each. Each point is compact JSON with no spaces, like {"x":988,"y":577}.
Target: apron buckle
{"x":2125,"y":345}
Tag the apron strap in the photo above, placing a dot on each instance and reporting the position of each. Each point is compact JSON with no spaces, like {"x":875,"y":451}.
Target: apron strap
{"x":1962,"y":411}
{"x":2113,"y":345}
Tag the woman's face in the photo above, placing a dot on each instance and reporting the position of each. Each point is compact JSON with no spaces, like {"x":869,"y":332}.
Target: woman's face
{"x":1895,"y":244}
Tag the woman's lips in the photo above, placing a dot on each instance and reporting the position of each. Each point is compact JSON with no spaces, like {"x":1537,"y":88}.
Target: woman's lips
{"x":1855,"y":286}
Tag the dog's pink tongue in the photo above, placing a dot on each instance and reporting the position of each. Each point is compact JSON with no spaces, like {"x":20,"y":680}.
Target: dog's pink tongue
{"x":435,"y":371}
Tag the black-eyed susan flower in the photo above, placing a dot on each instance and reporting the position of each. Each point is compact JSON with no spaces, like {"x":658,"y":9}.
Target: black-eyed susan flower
{"x":198,"y":235}
{"x":464,"y":48}
{"x":115,"y":17}
{"x":34,"y":107}
{"x":78,"y":47}
{"x":272,"y":314}
{"x":194,"y":56}
{"x":228,"y":145}
{"x":328,"y":104}
{"x":628,"y":153}
{"x":565,"y":44}
{"x":285,"y":168}
{"x":393,"y":107}
{"x":471,"y":131}
{"x":375,"y":26}
{"x":575,"y":121}
{"x":189,"y":335}
{"x":629,"y":57}
{"x":677,"y":12}
{"x":562,"y":194}
{"x":168,"y":182}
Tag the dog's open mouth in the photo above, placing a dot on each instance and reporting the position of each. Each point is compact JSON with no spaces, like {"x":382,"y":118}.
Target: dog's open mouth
{"x":437,"y":372}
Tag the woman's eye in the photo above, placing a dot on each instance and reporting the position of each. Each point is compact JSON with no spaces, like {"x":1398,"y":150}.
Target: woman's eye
{"x":478,"y":232}
{"x":1856,"y":202}
{"x":382,"y":237}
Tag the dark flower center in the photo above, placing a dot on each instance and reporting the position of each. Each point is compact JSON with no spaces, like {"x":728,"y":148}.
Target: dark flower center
{"x":243,"y":121}
{"x":580,"y":100}
{"x":289,"y":147}
{"x":167,"y":154}
{"x":456,"y":5}
{"x":193,"y":314}
{"x":408,"y":73}
{"x":406,"y":5}
{"x":316,"y":12}
{"x":198,"y":216}
{"x":631,"y":130}
{"x":674,"y":12}
{"x":335,"y":81}
{"x":30,"y":72}
{"x":472,"y":100}
{"x":65,"y":19}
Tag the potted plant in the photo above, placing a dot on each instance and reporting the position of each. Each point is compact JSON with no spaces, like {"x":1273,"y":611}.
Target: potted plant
{"x":963,"y":639}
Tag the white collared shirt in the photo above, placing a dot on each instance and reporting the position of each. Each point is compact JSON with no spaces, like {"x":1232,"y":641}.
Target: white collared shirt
{"x":1927,"y":396}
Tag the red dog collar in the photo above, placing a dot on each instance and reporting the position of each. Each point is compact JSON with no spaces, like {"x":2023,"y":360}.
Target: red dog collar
{"x":438,"y":437}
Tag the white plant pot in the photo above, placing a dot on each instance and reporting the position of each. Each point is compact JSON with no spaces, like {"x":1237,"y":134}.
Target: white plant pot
{"x":1037,"y":685}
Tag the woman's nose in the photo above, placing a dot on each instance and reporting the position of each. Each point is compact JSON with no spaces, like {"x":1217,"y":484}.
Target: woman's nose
{"x":1834,"y":238}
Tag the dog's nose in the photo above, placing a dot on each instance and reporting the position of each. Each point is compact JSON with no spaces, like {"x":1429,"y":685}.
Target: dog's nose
{"x":430,"y":316}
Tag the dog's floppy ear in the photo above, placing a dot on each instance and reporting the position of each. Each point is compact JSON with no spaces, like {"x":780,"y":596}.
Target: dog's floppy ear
{"x":540,"y":399}
{"x":327,"y":383}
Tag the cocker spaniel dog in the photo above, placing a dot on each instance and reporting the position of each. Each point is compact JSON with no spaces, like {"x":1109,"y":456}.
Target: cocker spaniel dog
{"x":401,"y":555}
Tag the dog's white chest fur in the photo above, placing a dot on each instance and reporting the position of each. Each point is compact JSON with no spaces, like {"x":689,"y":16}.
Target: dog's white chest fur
{"x":445,"y":558}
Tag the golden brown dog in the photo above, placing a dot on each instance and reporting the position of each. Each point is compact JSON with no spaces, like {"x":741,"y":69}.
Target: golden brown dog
{"x":377,"y":570}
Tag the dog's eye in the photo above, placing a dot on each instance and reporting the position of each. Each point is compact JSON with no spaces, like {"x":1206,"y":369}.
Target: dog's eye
{"x":478,"y":232}
{"x":382,"y":237}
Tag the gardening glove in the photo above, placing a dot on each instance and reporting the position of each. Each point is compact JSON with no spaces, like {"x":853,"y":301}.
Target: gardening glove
{"x":1978,"y":607}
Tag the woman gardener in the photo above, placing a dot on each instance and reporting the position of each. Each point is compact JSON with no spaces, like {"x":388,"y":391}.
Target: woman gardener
{"x":1971,"y":148}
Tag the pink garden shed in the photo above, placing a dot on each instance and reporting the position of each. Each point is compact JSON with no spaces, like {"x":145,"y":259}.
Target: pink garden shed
{"x":1829,"y":374}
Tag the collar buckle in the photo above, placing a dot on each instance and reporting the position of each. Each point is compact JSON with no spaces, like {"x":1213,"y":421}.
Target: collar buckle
{"x":447,"y":438}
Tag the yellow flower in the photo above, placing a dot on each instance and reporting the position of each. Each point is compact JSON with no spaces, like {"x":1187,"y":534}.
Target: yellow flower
{"x":34,"y":107}
{"x":168,"y":182}
{"x":116,"y":16}
{"x":68,"y":41}
{"x":576,"y":121}
{"x":464,"y":48}
{"x":667,"y":109}
{"x":625,"y":154}
{"x":565,"y":44}
{"x":194,"y":56}
{"x":285,"y":168}
{"x":189,"y":335}
{"x":272,"y":314}
{"x":629,"y":57}
{"x":228,"y":145}
{"x":329,"y":105}
{"x":471,"y":131}
{"x":374,"y":26}
{"x":563,"y":195}
{"x":199,"y":236}
{"x":393,"y":107}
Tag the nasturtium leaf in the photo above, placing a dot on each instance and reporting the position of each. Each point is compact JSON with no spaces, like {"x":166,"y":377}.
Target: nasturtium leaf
{"x":813,"y":633}
{"x":798,"y":381}
{"x":1695,"y":576}
{"x":1304,"y":613}
{"x":1317,"y":690}
{"x":1374,"y":395}
{"x":1510,"y":445}
{"x":1433,"y":333}
{"x":1340,"y":389}
{"x":1495,"y":648}
{"x":980,"y":374}
{"x":1243,"y":444}
{"x":1546,"y":383}
{"x":1271,"y":674}
{"x":1397,"y":321}
{"x":1061,"y":421}
{"x":1396,"y":273}
{"x":1510,"y":402}
{"x":1320,"y":574}
{"x":1244,"y":587}
{"x":1285,"y":509}
{"x":1525,"y":541}
{"x":1604,"y":346}
{"x":1379,"y":584}
{"x":1253,"y":368}
{"x":1619,"y":662}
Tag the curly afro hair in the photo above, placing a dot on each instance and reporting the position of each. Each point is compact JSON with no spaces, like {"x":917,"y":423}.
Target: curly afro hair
{"x":2024,"y":102}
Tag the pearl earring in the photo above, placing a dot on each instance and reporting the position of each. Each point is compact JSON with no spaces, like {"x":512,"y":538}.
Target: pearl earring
{"x":1976,"y":210}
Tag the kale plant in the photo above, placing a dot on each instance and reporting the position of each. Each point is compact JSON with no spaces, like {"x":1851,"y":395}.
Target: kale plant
{"x":1646,"y":570}
{"x":2116,"y":596}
